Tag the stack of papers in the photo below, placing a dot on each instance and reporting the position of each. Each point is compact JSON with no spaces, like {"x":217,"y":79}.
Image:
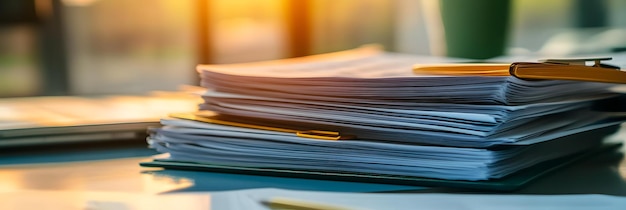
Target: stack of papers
{"x":400,"y":123}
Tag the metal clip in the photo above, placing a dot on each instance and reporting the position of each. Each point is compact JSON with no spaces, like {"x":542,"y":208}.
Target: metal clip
{"x":597,"y":62}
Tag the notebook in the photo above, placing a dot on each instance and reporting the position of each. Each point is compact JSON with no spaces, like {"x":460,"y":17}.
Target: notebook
{"x":65,"y":119}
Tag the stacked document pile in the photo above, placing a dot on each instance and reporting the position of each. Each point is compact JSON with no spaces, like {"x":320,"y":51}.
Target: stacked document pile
{"x":365,"y":111}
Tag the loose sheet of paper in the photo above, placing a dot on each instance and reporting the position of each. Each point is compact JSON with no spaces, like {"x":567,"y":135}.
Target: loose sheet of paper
{"x":253,"y":200}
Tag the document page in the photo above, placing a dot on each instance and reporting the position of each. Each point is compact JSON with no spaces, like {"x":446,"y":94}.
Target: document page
{"x":258,"y":199}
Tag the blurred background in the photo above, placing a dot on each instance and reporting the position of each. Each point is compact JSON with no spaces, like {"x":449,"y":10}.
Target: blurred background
{"x":94,"y":47}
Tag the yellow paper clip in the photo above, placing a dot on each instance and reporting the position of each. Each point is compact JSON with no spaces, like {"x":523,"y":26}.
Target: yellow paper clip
{"x":313,"y":134}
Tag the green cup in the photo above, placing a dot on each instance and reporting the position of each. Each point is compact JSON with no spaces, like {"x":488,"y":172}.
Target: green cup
{"x":475,"y":29}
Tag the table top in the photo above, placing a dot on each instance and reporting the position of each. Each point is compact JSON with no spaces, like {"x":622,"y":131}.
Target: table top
{"x":114,"y":167}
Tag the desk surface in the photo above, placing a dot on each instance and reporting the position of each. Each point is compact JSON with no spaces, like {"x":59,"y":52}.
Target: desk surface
{"x":115,"y":168}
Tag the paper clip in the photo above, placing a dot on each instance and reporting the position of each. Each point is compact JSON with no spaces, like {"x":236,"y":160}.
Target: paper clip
{"x":597,"y":62}
{"x":313,"y":134}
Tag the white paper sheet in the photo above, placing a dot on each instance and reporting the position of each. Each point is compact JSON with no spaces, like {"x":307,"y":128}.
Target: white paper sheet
{"x":253,"y":200}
